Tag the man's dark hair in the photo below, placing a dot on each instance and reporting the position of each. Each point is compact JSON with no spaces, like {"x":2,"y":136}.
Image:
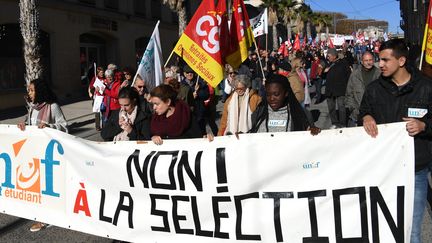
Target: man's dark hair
{"x":398,"y":47}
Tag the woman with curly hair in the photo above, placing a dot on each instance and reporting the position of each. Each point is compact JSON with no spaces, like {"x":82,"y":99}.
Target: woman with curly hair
{"x":43,"y":110}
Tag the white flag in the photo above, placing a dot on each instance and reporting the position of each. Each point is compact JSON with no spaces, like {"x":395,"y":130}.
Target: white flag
{"x":385,"y":36}
{"x":151,"y":65}
{"x":259,"y":24}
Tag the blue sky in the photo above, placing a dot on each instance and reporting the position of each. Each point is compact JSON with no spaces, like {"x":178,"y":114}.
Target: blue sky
{"x":387,"y":10}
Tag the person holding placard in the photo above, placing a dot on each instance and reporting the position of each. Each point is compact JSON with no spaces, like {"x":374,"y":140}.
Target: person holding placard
{"x":43,"y":112}
{"x":97,"y":96}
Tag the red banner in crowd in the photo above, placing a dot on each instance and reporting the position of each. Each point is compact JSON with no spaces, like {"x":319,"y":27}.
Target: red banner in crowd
{"x":224,"y":37}
{"x":330,"y":44}
{"x":297,"y":43}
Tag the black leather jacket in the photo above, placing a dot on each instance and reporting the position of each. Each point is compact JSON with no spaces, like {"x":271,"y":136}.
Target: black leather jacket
{"x":386,"y":103}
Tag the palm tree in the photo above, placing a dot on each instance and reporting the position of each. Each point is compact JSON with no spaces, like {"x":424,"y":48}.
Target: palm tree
{"x":29,"y":24}
{"x":305,"y":14}
{"x":321,"y":20}
{"x":273,"y":19}
{"x":327,"y":21}
{"x":287,"y":11}
{"x":317,"y":22}
{"x":179,"y":7}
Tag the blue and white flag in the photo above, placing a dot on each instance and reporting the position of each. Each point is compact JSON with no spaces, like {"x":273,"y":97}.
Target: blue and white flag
{"x":151,"y":65}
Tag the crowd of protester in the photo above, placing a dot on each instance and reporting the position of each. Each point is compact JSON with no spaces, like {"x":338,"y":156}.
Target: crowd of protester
{"x":269,"y":92}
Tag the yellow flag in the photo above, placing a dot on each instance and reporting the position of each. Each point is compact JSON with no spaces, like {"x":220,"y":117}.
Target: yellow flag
{"x":241,"y":35}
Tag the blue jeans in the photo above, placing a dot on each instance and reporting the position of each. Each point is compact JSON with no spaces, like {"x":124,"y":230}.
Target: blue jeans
{"x":318,"y":86}
{"x":420,"y":195}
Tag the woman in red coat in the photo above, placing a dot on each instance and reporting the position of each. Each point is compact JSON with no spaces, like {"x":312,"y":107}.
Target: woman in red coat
{"x":110,"y":93}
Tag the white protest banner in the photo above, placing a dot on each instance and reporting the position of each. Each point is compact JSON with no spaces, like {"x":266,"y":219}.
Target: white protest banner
{"x":100,"y":84}
{"x":97,"y":102}
{"x":151,"y":65}
{"x":338,"y":40}
{"x":259,"y":24}
{"x":341,"y":185}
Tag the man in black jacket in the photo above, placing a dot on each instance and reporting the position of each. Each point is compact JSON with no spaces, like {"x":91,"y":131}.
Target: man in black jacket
{"x":402,"y":94}
{"x":336,"y":75}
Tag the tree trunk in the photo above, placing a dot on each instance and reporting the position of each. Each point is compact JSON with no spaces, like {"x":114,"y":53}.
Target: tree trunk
{"x":289,"y":31}
{"x":275,"y":37}
{"x":29,"y":24}
{"x":327,"y":33}
{"x":182,"y":18}
{"x":308,"y":30}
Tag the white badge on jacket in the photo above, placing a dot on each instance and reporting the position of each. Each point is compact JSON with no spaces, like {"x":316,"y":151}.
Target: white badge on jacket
{"x":417,"y":112}
{"x":277,"y":123}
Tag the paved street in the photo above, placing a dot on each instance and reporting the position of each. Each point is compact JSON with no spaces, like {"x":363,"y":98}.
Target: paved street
{"x":80,"y":119}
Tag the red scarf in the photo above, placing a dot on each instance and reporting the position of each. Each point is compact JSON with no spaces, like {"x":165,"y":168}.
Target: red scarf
{"x":302,"y":76}
{"x":174,"y":125}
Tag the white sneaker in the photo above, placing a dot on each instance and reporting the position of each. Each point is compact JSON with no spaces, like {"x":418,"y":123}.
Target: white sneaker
{"x":333,"y":127}
{"x":39,"y":226}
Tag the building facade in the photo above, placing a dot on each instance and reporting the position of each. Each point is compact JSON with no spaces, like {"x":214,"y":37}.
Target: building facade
{"x":77,"y":33}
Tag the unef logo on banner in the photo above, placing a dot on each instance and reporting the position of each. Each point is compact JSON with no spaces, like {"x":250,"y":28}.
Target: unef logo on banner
{"x":26,"y":185}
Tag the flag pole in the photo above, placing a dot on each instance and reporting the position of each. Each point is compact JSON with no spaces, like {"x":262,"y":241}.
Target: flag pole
{"x":259,"y":59}
{"x":134,"y":79}
{"x":268,"y":53}
{"x":169,"y":58}
{"x":267,"y":42}
{"x":425,"y":37}
{"x":142,"y":58}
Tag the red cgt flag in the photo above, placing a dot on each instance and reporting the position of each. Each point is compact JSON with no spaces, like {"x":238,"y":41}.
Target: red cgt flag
{"x":330,"y":45}
{"x":283,"y":49}
{"x":241,"y":35}
{"x":304,"y":43}
{"x":199,"y":44}
{"x":297,"y":43}
{"x":224,"y":37}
